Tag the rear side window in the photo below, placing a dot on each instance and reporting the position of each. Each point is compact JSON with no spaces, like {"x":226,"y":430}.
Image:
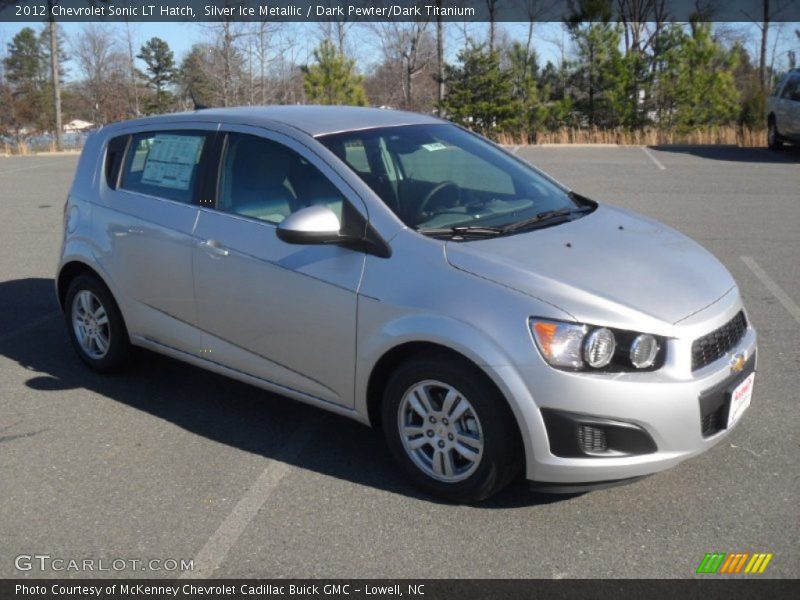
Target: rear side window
{"x":164,"y":164}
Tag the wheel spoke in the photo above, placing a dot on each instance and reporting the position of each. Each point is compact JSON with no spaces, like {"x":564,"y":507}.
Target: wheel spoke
{"x":419,"y":401}
{"x":417,"y":443}
{"x":412,"y":431}
{"x":460,"y":409}
{"x":101,"y":342}
{"x":450,"y":400}
{"x":448,"y":463}
{"x":100,"y":315}
{"x":438,"y":462}
{"x":85,"y":303}
{"x":467,"y":452}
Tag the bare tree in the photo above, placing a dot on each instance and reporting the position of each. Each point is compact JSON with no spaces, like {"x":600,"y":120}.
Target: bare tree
{"x":226,"y":59}
{"x":770,"y":9}
{"x":103,"y":68}
{"x":407,"y":47}
{"x":535,"y":10}
{"x":491,"y":7}
{"x":335,"y":30}
{"x":132,"y":76}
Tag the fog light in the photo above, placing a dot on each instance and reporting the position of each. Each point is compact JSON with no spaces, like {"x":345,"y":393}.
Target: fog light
{"x":598,"y":349}
{"x":644,"y":350}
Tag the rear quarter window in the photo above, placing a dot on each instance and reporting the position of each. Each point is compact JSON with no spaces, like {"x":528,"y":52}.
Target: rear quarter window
{"x":164,"y":164}
{"x":115,"y":151}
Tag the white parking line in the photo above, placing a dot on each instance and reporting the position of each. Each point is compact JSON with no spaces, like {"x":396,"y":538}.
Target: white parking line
{"x":211,"y":555}
{"x":650,"y":155}
{"x":38,"y":166}
{"x":773,"y":287}
{"x":515,"y":149}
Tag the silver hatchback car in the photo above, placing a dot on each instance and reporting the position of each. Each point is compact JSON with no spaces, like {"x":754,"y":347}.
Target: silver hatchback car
{"x":400,"y":270}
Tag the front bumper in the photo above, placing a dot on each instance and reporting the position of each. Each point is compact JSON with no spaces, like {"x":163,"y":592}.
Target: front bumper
{"x":667,"y":405}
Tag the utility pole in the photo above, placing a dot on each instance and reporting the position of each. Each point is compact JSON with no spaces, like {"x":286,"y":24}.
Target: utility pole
{"x":55,"y":75}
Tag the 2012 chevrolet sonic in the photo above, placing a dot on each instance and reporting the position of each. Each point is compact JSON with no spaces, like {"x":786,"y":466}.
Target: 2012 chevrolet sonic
{"x":400,"y":270}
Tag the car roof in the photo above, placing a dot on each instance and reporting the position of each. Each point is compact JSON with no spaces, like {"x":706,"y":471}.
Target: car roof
{"x":313,"y":120}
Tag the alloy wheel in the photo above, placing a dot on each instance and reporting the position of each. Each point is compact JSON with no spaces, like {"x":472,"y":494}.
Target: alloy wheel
{"x":90,"y":324}
{"x":440,"y":431}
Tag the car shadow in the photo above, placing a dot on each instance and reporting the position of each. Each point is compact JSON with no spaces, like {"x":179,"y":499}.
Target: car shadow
{"x":204,"y":403}
{"x":788,"y":154}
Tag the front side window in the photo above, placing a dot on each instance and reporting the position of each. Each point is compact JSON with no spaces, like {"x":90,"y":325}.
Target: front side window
{"x":440,"y":176}
{"x":265,"y":180}
{"x":164,"y":164}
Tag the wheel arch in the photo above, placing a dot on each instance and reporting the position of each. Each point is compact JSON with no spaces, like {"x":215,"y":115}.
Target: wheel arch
{"x":72,"y":269}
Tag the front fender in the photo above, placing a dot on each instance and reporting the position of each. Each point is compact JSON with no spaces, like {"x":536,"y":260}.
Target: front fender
{"x":455,"y":335}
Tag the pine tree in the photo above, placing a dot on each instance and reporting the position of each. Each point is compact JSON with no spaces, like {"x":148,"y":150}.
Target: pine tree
{"x":480,"y":95}
{"x":601,"y":74}
{"x":26,"y":72}
{"x":523,"y":71}
{"x":25,"y":62}
{"x":160,"y":71}
{"x":333,"y":79}
{"x":705,"y":87}
{"x":194,"y":79}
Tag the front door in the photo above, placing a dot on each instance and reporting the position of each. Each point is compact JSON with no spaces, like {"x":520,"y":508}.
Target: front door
{"x":281,"y":312}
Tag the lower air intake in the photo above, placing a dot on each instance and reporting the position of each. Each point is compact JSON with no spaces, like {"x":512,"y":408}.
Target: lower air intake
{"x":592,"y":439}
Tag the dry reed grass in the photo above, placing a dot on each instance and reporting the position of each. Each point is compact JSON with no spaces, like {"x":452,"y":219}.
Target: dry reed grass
{"x":729,"y":135}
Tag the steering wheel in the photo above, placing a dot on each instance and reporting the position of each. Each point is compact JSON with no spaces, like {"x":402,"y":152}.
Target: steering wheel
{"x":436,"y":191}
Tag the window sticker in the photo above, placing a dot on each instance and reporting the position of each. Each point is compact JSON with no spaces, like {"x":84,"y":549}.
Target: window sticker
{"x":171,"y":160}
{"x":434,"y":146}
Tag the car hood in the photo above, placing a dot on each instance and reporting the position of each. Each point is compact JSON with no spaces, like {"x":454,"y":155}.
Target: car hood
{"x":607,"y":267}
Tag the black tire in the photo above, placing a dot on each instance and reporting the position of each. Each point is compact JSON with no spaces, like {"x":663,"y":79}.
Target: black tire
{"x":119,"y":346}
{"x":774,"y":141}
{"x":502,"y":456}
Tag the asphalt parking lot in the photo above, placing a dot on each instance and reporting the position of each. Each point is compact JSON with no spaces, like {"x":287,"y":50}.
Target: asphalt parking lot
{"x":170,"y":462}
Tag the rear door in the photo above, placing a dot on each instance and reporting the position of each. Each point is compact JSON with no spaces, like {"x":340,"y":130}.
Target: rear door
{"x":152,"y":208}
{"x":282,"y":312}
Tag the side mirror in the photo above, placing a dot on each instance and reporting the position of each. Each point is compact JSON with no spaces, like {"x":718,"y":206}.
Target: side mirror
{"x":311,"y":225}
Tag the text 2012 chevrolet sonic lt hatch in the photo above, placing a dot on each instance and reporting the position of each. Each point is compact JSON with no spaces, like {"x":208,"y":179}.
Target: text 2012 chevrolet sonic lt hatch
{"x":397,"y":269}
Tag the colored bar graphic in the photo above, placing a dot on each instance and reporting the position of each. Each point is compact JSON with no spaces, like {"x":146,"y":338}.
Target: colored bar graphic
{"x":758,"y":563}
{"x":733,"y":563}
{"x":711,"y":562}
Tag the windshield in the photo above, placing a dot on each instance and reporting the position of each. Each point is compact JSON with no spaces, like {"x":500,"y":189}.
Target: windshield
{"x":440,"y":177}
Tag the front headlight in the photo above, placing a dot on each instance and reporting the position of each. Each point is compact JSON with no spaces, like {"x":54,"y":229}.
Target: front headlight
{"x":577,"y":346}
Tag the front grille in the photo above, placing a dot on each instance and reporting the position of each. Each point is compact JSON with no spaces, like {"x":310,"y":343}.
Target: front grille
{"x":714,"y":345}
{"x":713,"y":422}
{"x":592,"y":439}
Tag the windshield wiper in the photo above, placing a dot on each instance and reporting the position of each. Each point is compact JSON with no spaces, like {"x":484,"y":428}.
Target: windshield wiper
{"x":545,"y":217}
{"x":463,"y":231}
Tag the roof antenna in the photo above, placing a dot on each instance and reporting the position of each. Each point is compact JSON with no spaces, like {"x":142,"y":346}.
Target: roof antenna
{"x":197,"y":105}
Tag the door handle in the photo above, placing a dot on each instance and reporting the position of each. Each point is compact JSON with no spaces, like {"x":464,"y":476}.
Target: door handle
{"x":214,"y":248}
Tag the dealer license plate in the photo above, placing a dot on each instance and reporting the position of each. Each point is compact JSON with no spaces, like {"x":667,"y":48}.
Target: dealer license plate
{"x":740,"y":399}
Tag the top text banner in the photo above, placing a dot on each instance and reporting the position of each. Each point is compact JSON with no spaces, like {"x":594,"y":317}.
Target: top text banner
{"x":391,"y":10}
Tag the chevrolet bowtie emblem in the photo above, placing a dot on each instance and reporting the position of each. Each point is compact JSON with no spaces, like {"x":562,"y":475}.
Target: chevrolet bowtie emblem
{"x":737,"y":363}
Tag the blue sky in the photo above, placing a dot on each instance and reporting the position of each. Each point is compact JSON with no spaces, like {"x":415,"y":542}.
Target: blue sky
{"x":548,"y":38}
